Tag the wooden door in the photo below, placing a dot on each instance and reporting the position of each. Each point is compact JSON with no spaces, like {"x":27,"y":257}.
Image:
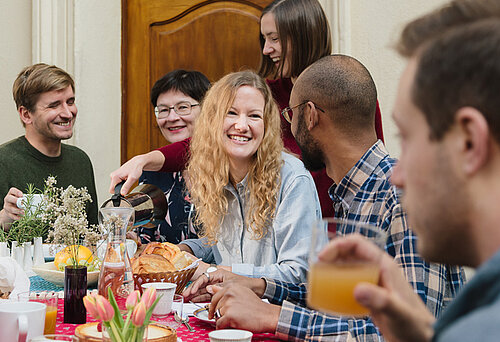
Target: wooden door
{"x":211,"y":36}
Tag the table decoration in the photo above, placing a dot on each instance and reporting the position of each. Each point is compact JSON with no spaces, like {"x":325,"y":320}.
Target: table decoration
{"x":64,"y":212}
{"x":139,"y":311}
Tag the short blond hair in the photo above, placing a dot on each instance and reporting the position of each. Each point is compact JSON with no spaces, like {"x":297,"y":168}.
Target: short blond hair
{"x":37,"y":79}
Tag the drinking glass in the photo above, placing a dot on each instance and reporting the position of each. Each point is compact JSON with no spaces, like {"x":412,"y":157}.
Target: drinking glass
{"x":173,"y":318}
{"x":331,"y":285}
{"x":49,"y":298}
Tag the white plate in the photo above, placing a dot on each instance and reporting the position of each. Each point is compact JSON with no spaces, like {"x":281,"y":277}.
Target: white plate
{"x":202,"y":314}
{"x":49,"y":272}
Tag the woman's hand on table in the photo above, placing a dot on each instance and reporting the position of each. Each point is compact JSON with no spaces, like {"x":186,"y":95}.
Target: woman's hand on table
{"x":239,"y":307}
{"x":197,"y":292}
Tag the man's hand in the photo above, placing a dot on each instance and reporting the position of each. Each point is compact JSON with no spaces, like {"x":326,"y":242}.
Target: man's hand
{"x":132,"y":170}
{"x":239,"y":307}
{"x":10,"y":211}
{"x":397,"y":311}
{"x":197,"y":291}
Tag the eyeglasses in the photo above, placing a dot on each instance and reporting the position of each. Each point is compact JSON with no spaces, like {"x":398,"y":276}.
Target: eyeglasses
{"x":288,"y":111}
{"x":181,"y":108}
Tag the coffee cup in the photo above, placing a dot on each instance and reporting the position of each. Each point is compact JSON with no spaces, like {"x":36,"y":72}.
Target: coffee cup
{"x":166,"y":293}
{"x":21,"y":321}
{"x":230,"y":335}
{"x":30,"y":202}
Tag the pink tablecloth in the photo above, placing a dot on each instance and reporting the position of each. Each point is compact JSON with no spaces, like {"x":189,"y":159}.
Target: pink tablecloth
{"x":200,"y":334}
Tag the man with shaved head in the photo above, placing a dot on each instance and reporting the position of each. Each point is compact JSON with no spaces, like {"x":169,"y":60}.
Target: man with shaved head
{"x":332,"y":108}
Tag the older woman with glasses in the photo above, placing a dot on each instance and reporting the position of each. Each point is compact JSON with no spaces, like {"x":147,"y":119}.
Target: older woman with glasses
{"x":176,"y":98}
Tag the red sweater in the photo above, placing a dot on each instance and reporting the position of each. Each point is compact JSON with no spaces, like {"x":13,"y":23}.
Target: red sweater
{"x":176,"y":153}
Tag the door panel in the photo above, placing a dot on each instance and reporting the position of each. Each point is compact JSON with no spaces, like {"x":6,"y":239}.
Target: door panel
{"x":214,"y":37}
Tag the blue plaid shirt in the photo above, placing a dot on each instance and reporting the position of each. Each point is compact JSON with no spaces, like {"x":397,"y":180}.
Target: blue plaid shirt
{"x":366,"y":195}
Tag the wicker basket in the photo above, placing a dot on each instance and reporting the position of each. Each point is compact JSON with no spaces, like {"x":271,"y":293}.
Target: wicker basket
{"x":180,"y":278}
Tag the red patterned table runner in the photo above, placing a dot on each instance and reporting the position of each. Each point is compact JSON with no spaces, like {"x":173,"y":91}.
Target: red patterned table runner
{"x":200,"y":334}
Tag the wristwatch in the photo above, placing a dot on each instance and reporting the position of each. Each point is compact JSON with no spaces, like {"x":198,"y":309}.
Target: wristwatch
{"x":209,"y":270}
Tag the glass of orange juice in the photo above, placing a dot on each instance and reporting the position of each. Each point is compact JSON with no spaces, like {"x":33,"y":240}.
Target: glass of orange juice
{"x":331,"y":285}
{"x":49,"y":298}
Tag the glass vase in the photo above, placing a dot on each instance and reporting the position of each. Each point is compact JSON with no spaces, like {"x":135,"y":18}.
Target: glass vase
{"x":116,"y":271}
{"x":75,"y":288}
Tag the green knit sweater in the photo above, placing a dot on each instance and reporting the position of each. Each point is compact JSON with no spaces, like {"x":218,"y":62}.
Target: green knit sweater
{"x":21,"y":164}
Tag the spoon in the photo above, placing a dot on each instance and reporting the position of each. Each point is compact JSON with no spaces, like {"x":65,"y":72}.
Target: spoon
{"x":184,"y":321}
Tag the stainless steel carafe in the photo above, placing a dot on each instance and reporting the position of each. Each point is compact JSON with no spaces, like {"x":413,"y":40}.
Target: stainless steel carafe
{"x":148,"y":201}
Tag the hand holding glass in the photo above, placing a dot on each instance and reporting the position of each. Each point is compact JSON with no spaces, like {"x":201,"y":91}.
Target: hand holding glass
{"x":331,"y":285}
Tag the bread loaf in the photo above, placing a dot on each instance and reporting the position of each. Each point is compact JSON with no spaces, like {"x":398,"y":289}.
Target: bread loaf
{"x":160,"y":257}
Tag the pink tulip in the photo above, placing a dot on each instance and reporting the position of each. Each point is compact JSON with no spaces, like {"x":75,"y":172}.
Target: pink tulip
{"x":139,"y":314}
{"x":104,"y":308}
{"x":149,"y":297}
{"x":90,"y":305}
{"x":132,"y":299}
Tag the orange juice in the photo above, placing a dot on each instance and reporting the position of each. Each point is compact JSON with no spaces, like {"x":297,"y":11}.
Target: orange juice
{"x":50,"y":320}
{"x":330,"y":287}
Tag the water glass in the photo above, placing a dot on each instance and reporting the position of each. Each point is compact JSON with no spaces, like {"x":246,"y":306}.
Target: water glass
{"x":331,"y":285}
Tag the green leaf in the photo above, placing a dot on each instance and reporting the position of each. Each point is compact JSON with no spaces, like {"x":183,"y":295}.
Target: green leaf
{"x":117,"y":318}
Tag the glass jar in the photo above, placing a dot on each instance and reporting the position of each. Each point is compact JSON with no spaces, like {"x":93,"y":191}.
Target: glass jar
{"x":116,"y":271}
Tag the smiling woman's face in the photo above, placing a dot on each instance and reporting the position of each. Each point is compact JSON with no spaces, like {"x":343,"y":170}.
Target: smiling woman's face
{"x":176,"y":127}
{"x":272,"y":42}
{"x":244,"y":127}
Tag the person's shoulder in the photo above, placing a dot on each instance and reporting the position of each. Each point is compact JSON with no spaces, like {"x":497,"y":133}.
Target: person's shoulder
{"x":292,"y":166}
{"x":481,"y":324}
{"x":14,"y":143}
{"x":11,"y":148}
{"x":74,"y":151}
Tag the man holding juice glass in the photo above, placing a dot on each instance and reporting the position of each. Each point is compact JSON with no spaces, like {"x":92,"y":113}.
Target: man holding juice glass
{"x":332,"y":108}
{"x":447,"y":112}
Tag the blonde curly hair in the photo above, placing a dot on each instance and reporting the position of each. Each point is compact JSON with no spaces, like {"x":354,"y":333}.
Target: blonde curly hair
{"x":208,"y":166}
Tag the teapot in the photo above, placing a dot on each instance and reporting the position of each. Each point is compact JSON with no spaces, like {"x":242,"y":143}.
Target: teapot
{"x":148,"y":201}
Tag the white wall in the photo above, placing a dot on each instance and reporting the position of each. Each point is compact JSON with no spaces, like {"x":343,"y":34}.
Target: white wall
{"x":375,"y":27}
{"x":372,"y":27}
{"x":15,"y":54}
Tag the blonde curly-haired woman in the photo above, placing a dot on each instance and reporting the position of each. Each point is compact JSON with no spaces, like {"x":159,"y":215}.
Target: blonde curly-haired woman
{"x":255,"y":202}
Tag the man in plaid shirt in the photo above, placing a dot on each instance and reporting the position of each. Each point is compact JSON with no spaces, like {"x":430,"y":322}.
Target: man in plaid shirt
{"x":331,"y":108}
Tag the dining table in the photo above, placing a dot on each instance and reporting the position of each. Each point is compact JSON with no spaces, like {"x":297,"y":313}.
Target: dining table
{"x":200,"y":333}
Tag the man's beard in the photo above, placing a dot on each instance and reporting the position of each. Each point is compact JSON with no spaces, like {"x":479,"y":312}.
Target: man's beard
{"x":312,"y":155}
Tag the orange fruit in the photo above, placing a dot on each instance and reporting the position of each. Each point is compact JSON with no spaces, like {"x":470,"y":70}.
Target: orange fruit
{"x":63,"y":258}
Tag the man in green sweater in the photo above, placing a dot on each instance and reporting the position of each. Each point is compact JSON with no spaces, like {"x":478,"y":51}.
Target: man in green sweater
{"x":45,"y":100}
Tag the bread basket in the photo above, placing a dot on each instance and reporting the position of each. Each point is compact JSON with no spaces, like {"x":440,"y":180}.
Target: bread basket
{"x":180,"y":278}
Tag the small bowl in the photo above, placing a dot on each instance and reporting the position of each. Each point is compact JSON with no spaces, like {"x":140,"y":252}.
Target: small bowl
{"x":230,"y":335}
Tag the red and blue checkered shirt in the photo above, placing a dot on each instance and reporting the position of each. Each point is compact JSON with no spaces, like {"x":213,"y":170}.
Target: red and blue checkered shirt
{"x":365,"y":194}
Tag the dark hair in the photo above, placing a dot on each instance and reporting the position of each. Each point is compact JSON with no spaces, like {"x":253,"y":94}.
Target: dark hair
{"x":302,"y":25}
{"x":192,"y":83}
{"x":456,"y":13}
{"x":460,"y":68}
{"x":36,"y":79}
{"x":344,"y":88}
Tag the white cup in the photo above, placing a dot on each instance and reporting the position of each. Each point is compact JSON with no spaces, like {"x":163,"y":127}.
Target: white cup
{"x":230,"y":335}
{"x":35,"y":201}
{"x":21,"y":321}
{"x":166,"y":291}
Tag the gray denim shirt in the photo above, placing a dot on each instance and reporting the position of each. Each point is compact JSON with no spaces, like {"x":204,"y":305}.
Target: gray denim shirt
{"x":282,"y":253}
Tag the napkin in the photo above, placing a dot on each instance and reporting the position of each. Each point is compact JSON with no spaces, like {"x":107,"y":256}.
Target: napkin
{"x":13,"y":279}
